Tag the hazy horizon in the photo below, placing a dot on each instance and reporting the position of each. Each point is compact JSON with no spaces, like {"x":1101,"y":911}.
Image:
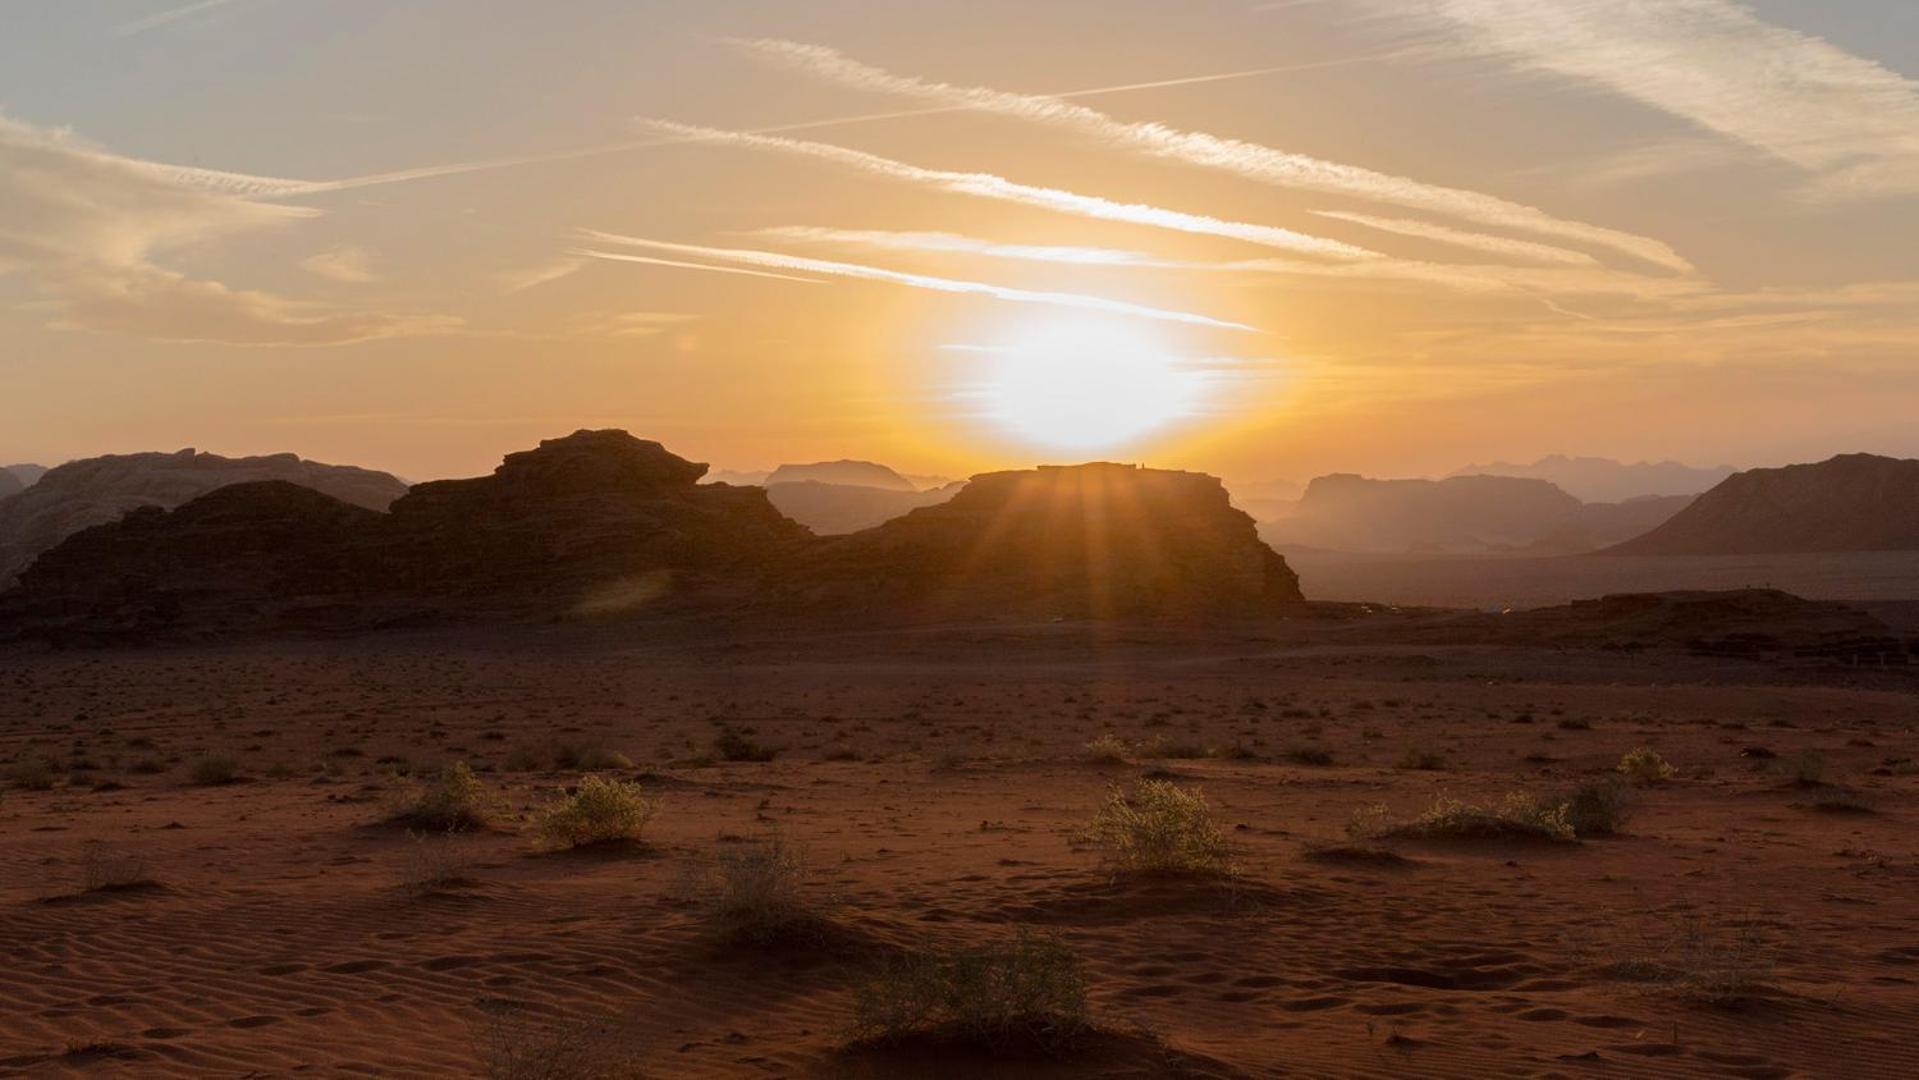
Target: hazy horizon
{"x":1264,"y":241}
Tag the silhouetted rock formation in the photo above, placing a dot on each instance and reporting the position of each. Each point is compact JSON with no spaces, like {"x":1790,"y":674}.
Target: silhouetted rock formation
{"x":593,"y":510}
{"x":600,"y":522}
{"x":1083,"y":541}
{"x":28,"y":475}
{"x":855,"y":473}
{"x":836,"y":509}
{"x":1605,"y":480}
{"x":1460,"y":515}
{"x":95,"y":491}
{"x":1853,"y":502}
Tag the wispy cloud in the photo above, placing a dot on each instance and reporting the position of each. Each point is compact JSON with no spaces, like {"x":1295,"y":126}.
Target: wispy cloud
{"x":777,"y":261}
{"x":989,"y":186}
{"x":1241,"y":158}
{"x":170,"y":15}
{"x":1848,"y":120}
{"x":351,"y":265}
{"x":1524,"y":250}
{"x":86,"y":226}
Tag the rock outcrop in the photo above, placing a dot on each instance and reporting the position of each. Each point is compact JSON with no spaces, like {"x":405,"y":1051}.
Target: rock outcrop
{"x":1603,"y":480}
{"x":1461,"y":515}
{"x":27,"y":474}
{"x":1853,"y":502}
{"x":1083,"y":541}
{"x":837,"y":509}
{"x":851,"y":473}
{"x":96,"y":491}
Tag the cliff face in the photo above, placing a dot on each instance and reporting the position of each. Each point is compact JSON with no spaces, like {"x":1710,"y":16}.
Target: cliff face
{"x":1343,"y":512}
{"x":837,"y":509}
{"x":96,"y":491}
{"x":1084,"y":541}
{"x":1853,"y":502}
{"x":851,"y":473}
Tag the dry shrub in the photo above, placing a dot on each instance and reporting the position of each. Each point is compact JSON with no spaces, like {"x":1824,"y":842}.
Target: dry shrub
{"x":432,"y":863}
{"x":1160,"y":828}
{"x":1725,"y":965}
{"x":599,"y":811}
{"x":730,"y":745}
{"x":1518,"y":816}
{"x":514,"y":1044}
{"x":1023,"y":994}
{"x":1598,"y":809}
{"x":454,"y":800}
{"x":215,"y":769}
{"x":1806,"y":769}
{"x":106,"y":869}
{"x":1422,"y":760}
{"x":1645,"y":766}
{"x":1109,"y":749}
{"x":760,"y":892}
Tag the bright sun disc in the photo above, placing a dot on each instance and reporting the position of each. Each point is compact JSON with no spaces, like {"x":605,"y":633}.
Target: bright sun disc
{"x":1085,"y":386}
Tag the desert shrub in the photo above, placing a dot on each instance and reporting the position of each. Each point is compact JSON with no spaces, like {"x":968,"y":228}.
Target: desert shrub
{"x":431,"y":862}
{"x":1310,"y":755}
{"x":1517,"y":816}
{"x":600,"y":810}
{"x":1645,"y":766}
{"x":1024,"y":993}
{"x":514,"y":1044}
{"x":730,"y":745}
{"x":103,"y":868}
{"x":1108,"y":749}
{"x":147,"y":766}
{"x":215,"y":769}
{"x":1597,"y":809}
{"x":1575,"y":723}
{"x":1415,"y":758}
{"x":1159,"y":828}
{"x":454,"y":800}
{"x":1725,"y":966}
{"x":1806,"y":769}
{"x":523,"y":758}
{"x":1838,"y":800}
{"x":760,"y":890}
{"x":32,"y":773}
{"x":601,"y":757}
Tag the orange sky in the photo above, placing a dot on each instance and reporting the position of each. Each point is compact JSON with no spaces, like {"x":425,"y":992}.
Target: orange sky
{"x":1261,"y":240}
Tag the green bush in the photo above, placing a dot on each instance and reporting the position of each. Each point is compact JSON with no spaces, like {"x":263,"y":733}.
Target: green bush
{"x":1159,"y":828}
{"x":1026,"y":993}
{"x":600,"y":810}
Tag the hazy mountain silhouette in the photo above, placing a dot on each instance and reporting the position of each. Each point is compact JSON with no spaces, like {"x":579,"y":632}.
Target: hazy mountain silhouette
{"x":834,"y":509}
{"x":1458,"y":515}
{"x":854,"y":473}
{"x":10,"y":484}
{"x":1852,"y":502}
{"x":94,"y":491}
{"x":1594,"y":479}
{"x":28,"y":475}
{"x":601,"y":522}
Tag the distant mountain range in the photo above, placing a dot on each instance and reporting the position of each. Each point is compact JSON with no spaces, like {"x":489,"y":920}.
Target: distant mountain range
{"x":1604,"y":480}
{"x":1852,"y":502}
{"x":97,"y":491}
{"x":1475,"y":515}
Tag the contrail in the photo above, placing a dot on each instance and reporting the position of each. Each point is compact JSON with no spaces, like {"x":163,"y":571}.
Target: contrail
{"x":802,"y":264}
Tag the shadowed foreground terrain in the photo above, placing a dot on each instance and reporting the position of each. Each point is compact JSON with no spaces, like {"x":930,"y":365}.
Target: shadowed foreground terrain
{"x":198,"y":879}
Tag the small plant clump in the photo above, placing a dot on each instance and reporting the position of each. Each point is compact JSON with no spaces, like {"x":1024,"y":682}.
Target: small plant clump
{"x":454,"y":800}
{"x":1724,"y":967}
{"x":104,"y":869}
{"x":760,"y":893}
{"x":730,"y":745}
{"x":1422,"y":760}
{"x":1518,"y":816}
{"x":215,"y":770}
{"x":1598,"y":809}
{"x":601,"y":810}
{"x":1645,"y":766}
{"x":1028,"y":993}
{"x":1159,"y":828}
{"x":1109,"y":749}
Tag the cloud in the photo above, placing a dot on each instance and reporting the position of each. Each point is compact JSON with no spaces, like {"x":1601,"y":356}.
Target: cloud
{"x":351,"y":265}
{"x":86,"y":226}
{"x":988,"y":186}
{"x":918,"y":281}
{"x":533,"y":276}
{"x":1849,"y":121}
{"x":1235,"y":156}
{"x":162,"y":18}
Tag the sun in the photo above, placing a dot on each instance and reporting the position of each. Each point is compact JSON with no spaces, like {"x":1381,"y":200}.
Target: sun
{"x":1083,"y":385}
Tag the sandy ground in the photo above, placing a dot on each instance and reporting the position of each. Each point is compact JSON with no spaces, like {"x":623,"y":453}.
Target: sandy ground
{"x":936,"y":783}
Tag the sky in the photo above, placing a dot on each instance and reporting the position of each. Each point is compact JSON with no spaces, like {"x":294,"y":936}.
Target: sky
{"x":1263,"y":240}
